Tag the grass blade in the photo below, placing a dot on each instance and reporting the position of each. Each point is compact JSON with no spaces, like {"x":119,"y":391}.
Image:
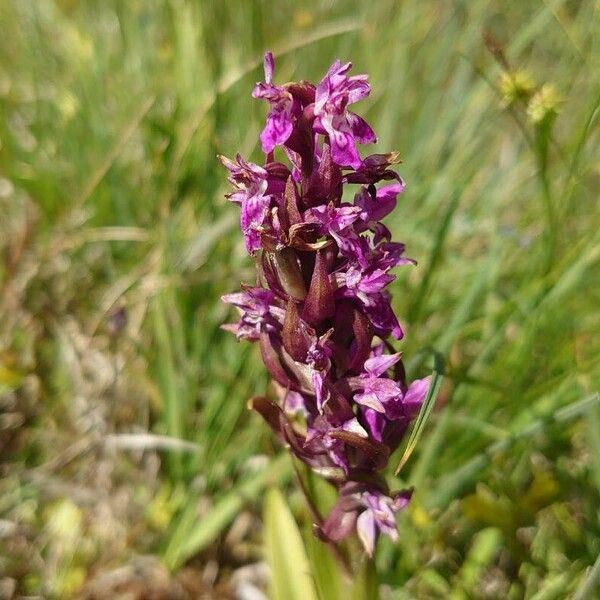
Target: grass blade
{"x":452,"y":484}
{"x":425,"y":412}
{"x":191,"y":537}
{"x":586,"y":588}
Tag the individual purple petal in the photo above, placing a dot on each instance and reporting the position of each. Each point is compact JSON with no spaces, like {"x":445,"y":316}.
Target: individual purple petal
{"x":343,"y":150}
{"x":390,"y":256}
{"x":391,"y":191}
{"x":360,"y":129}
{"x":406,"y":406}
{"x":401,"y":499}
{"x":269,"y":66}
{"x":379,"y":514}
{"x":381,"y":234}
{"x":318,"y":360}
{"x":370,"y":399}
{"x":337,"y":90}
{"x":378,"y":365}
{"x":296,"y":161}
{"x":295,"y":403}
{"x":328,"y":84}
{"x":376,"y":423}
{"x":252,"y":216}
{"x":415,"y":395}
{"x":365,"y":528}
{"x":365,"y":285}
{"x":382,"y":317}
{"x":277,"y":130}
{"x":318,"y":380}
{"x":375,"y":209}
{"x":377,"y":391}
{"x":353,"y":426}
{"x":318,"y":439}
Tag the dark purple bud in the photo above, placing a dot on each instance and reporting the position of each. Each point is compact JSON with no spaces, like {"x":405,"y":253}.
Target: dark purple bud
{"x":325,"y":185}
{"x":361,"y":344}
{"x":296,"y":337}
{"x":353,"y":335}
{"x":319,"y":304}
{"x":291,"y":203}
{"x":330,"y":177}
{"x":271,"y":359}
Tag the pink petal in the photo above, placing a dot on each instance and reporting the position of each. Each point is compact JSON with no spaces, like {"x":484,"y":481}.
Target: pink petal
{"x":365,"y":527}
{"x":343,"y":150}
{"x":361,"y":130}
{"x":415,"y":395}
{"x":369,"y":400}
{"x":377,"y":365}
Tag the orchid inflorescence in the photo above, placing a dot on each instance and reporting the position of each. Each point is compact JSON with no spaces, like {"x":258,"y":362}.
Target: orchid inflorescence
{"x":319,"y":308}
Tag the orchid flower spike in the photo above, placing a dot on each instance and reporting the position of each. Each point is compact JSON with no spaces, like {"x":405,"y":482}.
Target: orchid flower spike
{"x":320,"y":307}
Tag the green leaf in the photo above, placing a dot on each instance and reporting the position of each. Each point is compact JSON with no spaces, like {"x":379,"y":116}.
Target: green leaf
{"x":291,"y":577}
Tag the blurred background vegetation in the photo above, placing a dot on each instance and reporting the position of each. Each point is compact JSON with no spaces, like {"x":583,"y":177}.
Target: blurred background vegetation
{"x":129,"y":465}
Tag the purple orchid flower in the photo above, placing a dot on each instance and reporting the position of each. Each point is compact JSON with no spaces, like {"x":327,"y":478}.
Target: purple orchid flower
{"x":366,"y":285}
{"x":250,"y":184}
{"x":382,"y":317}
{"x":407,"y":405}
{"x":280,"y":120}
{"x":376,"y":208}
{"x":320,"y":439}
{"x":318,"y":359}
{"x":344,"y":128}
{"x":336,"y":221}
{"x":258,"y":313}
{"x":379,"y":514}
{"x":377,"y":391}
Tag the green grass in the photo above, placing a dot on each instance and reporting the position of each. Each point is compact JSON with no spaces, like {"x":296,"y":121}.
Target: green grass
{"x":111,"y":116}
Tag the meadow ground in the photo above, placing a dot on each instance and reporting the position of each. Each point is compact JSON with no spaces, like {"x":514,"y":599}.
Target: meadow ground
{"x":116,"y":244}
